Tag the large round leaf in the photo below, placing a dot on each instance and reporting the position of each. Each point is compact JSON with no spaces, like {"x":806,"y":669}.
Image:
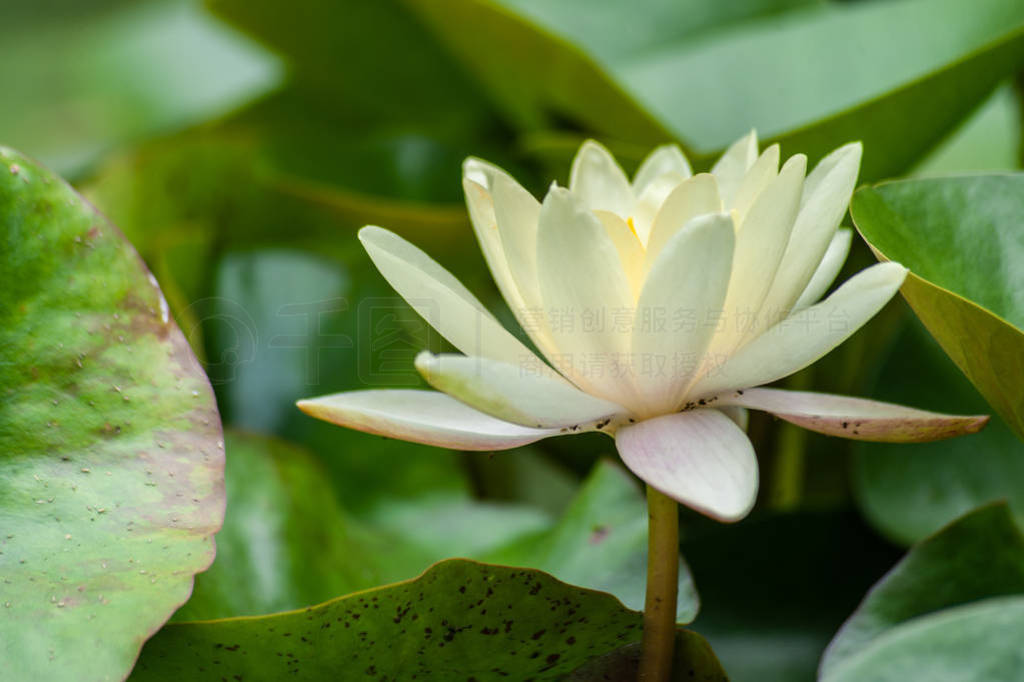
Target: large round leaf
{"x":460,"y":620}
{"x":955,"y":602}
{"x":111,"y":459}
{"x":961,"y":239}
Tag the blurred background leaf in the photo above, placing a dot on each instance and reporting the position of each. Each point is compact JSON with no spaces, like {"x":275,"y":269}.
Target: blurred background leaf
{"x":82,"y":78}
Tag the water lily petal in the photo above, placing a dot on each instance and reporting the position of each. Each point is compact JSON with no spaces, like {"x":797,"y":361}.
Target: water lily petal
{"x":583,"y":287}
{"x":485,"y":225}
{"x":807,"y":335}
{"x":761,"y":241}
{"x":700,"y":458}
{"x":427,"y":417}
{"x":855,"y":418}
{"x":631,"y":251}
{"x":515,"y":393}
{"x":668,"y":158}
{"x":827,"y":271}
{"x":691,"y":198}
{"x":504,"y":217}
{"x":517,"y":213}
{"x":687,"y":282}
{"x":650,"y":201}
{"x":756,"y":180}
{"x":733,"y":165}
{"x":827,"y":192}
{"x":440,"y":298}
{"x":598,"y":181}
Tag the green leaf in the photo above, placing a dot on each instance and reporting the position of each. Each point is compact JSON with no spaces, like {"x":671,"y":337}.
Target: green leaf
{"x":960,"y":237}
{"x":112,"y":462}
{"x":811,"y":78}
{"x":342,"y":51}
{"x":459,"y":620}
{"x":600,"y":542}
{"x":938,"y":606}
{"x":912,"y":490}
{"x":978,"y":642}
{"x":89,"y":79}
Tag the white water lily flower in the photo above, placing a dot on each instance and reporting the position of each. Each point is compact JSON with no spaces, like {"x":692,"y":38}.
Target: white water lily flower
{"x":658,"y":306}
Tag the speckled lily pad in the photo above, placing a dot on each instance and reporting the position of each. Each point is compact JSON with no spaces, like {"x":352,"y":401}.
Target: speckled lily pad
{"x":461,"y":620}
{"x":111,"y":459}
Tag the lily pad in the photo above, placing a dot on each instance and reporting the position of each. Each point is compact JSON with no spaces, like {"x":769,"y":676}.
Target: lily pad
{"x":956,"y":600}
{"x":459,"y":620}
{"x":962,"y":241}
{"x":112,"y":459}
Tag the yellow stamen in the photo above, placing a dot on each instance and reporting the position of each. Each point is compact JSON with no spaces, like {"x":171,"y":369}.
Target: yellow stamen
{"x":632,"y":227}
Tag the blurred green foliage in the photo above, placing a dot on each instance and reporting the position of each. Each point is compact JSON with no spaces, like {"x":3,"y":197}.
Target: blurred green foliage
{"x":240,"y":145}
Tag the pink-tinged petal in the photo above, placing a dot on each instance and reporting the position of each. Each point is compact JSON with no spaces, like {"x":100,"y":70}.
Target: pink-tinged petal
{"x":854,"y":418}
{"x":427,"y":417}
{"x":700,"y":458}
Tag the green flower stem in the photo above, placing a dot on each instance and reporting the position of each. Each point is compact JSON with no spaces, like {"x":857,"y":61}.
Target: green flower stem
{"x":662,"y":587}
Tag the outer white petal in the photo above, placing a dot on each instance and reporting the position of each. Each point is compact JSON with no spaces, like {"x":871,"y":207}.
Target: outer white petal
{"x":854,"y":418}
{"x":826,"y":196}
{"x":631,"y":251}
{"x":515,"y":393}
{"x":757,"y":179}
{"x":504,"y":217}
{"x":583,"y":287}
{"x":700,"y":458}
{"x":425,"y":417}
{"x":806,"y":336}
{"x":599,"y":182}
{"x":485,"y":225}
{"x":760,"y":243}
{"x":441,"y":299}
{"x":668,"y":158}
{"x":734,"y":164}
{"x":687,"y":282}
{"x":826,"y":273}
{"x":517,"y":213}
{"x":691,"y":198}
